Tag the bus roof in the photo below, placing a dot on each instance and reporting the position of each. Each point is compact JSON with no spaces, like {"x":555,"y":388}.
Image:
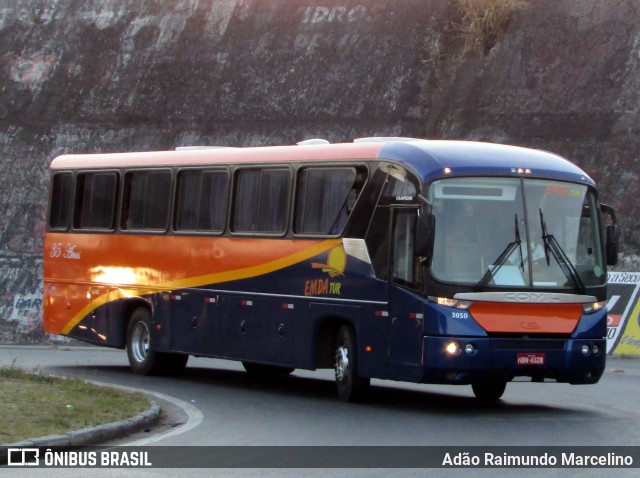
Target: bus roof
{"x":429,"y":159}
{"x":207,"y":156}
{"x":435,"y":159}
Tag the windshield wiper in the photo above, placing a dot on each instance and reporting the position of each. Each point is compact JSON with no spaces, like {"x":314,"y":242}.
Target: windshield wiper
{"x":551,"y":245}
{"x":519,"y":242}
{"x":502,"y":259}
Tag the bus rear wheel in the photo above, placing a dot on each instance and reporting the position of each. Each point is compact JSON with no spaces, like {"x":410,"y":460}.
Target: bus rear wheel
{"x":488,"y":391}
{"x":350,"y":386}
{"x":143,"y":358}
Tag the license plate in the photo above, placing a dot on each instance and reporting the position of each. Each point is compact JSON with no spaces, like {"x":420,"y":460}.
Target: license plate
{"x":530,"y":358}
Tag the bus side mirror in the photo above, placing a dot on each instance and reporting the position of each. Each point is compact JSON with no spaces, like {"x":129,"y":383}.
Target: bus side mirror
{"x":610,"y":235}
{"x":611,"y":244}
{"x":425,"y":234}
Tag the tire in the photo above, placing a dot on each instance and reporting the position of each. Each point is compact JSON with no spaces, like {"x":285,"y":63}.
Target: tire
{"x":264,"y":370}
{"x":143,"y":358}
{"x":488,"y":391}
{"x":350,"y":386}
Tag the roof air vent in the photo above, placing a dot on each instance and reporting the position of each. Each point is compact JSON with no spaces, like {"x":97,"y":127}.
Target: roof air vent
{"x":308,"y":142}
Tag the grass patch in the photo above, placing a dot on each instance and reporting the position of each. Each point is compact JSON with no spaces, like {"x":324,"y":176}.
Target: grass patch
{"x":482,"y":21}
{"x":35,"y":405}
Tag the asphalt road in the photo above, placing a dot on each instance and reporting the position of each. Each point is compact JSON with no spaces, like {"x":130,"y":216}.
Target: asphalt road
{"x":216,"y":403}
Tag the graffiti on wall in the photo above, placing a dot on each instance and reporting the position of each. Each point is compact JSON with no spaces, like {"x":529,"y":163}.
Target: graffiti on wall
{"x":21,"y":299}
{"x":316,"y":20}
{"x":26,"y":311}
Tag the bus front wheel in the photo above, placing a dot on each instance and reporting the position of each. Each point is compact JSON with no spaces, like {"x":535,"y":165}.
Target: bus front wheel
{"x":350,"y":386}
{"x":488,"y":391}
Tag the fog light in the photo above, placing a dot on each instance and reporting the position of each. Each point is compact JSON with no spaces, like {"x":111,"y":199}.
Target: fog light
{"x":452,"y":348}
{"x":585,"y":350}
{"x":469,"y":349}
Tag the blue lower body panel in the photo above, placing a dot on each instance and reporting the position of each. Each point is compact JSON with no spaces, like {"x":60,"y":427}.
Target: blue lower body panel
{"x":496,"y":359}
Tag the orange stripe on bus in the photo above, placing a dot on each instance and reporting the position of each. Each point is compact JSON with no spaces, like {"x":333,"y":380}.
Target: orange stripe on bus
{"x":527,"y":318}
{"x":140,"y":265}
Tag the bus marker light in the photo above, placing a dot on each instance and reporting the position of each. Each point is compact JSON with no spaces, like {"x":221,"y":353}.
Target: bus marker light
{"x":246,"y":303}
{"x":381,"y":313}
{"x":452,"y":348}
{"x":287,"y":306}
{"x":209,"y":300}
{"x":416,"y":316}
{"x":368,"y":348}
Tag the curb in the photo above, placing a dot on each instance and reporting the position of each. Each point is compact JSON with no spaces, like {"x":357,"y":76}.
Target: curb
{"x":92,"y":435}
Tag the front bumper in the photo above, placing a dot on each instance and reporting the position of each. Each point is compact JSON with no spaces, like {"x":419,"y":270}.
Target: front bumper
{"x":496,"y":359}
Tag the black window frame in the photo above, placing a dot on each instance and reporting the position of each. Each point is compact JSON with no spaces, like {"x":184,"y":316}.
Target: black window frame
{"x":80,"y":200}
{"x":177,"y":200}
{"x":416,"y":281}
{"x":55,"y":207}
{"x":125,"y":203}
{"x":360,"y":178}
{"x":236,"y":198}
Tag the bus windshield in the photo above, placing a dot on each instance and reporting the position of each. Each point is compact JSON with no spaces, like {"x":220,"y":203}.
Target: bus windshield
{"x":504,"y":232}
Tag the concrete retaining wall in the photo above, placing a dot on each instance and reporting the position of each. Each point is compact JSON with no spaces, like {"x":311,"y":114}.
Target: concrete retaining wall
{"x":121,"y":75}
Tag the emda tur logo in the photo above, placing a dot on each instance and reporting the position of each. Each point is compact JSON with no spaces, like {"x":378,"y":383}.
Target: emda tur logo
{"x":334,"y":266}
{"x":336,"y":262}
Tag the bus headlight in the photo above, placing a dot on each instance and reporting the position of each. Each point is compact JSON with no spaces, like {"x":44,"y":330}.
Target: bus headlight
{"x":593,"y":306}
{"x":455,"y":303}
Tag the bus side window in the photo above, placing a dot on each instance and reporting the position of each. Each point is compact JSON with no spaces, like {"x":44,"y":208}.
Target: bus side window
{"x":325,"y":199}
{"x":398,"y":186}
{"x":61,"y":194}
{"x":95,"y":201}
{"x":406,"y":269}
{"x":202,"y":201}
{"x":146,"y":200}
{"x":262,"y":201}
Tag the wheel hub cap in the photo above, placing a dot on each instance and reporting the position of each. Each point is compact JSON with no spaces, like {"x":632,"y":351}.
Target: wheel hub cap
{"x":342,"y":363}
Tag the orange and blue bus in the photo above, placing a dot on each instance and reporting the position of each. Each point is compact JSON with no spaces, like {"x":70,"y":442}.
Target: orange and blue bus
{"x":447,"y":262}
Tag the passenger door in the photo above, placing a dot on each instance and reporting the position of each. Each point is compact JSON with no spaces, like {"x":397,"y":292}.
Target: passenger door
{"x":406,"y":305}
